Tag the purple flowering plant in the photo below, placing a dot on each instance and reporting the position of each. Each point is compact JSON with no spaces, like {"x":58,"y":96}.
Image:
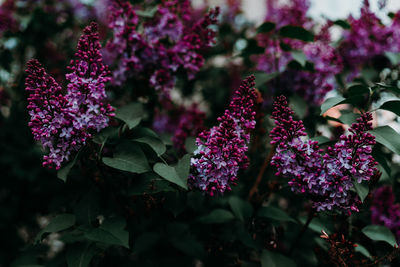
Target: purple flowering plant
{"x":179,"y":133}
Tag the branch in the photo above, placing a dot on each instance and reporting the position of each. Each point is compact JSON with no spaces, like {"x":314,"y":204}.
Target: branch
{"x":267,"y":160}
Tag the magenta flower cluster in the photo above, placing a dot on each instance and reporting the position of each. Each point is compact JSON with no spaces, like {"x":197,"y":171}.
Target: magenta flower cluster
{"x":368,"y":38}
{"x":384,"y":211}
{"x":63,"y":122}
{"x":221,"y":150}
{"x":311,"y":84}
{"x":155,"y":50}
{"x":327,"y":179}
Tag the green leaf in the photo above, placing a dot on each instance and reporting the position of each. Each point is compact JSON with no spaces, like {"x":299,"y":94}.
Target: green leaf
{"x":361,"y":249}
{"x":170,"y":174}
{"x":217,"y":216}
{"x":273,"y":259}
{"x":348,"y":117}
{"x":58,"y":223}
{"x":266,"y":27}
{"x":356,"y":89}
{"x":394,"y":89}
{"x":342,"y":23}
{"x":296,"y":32}
{"x":80,"y":255}
{"x":64,"y":171}
{"x":331,"y":102}
{"x":110,"y":232}
{"x":101,"y":137}
{"x":155,"y":143}
{"x":131,"y":114}
{"x":317,"y":225}
{"x":362,"y":190}
{"x":189,"y":245}
{"x":149,"y":137}
{"x":183,"y":167}
{"x":379,"y":233}
{"x":321,"y":139}
{"x":87,"y":209}
{"x":149,"y":13}
{"x":190,"y":144}
{"x":393,"y":106}
{"x":262,"y":78}
{"x":393,"y":57}
{"x":274,"y":213}
{"x":241,"y":208}
{"x":300,"y":57}
{"x":129,"y":157}
{"x":358,"y":94}
{"x":145,"y":241}
{"x":298,"y":105}
{"x":388,"y":137}
{"x":252,"y":48}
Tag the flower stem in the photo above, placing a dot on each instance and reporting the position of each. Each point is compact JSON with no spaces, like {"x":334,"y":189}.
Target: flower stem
{"x":267,"y":160}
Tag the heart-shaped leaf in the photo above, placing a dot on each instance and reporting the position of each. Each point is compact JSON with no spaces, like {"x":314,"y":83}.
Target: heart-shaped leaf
{"x":129,"y":157}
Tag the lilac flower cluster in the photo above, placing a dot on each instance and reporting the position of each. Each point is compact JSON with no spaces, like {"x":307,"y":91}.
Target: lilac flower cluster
{"x":154,"y":50}
{"x":327,"y":179}
{"x":367,"y":38}
{"x":221,"y":150}
{"x":62,"y":123}
{"x":312,"y":85}
{"x":384,"y":211}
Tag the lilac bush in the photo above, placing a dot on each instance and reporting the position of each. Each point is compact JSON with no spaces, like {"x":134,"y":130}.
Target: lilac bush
{"x":135,"y":187}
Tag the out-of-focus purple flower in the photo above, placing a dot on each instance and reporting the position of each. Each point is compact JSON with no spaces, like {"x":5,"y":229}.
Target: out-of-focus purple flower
{"x":314,"y":85}
{"x":327,"y":179}
{"x":62,"y":123}
{"x":191,"y":123}
{"x":221,"y":150}
{"x":167,"y":43}
{"x":181,"y":122}
{"x":310,"y":84}
{"x":294,"y":13}
{"x":367,"y":38}
{"x":7,"y":21}
{"x":384,"y":211}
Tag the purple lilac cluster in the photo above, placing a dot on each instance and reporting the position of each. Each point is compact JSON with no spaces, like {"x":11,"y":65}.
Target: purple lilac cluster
{"x":154,"y":50}
{"x":327,"y":179}
{"x":384,"y":211}
{"x":221,"y":150}
{"x":367,"y":38}
{"x":63,"y":122}
{"x":312,"y":85}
